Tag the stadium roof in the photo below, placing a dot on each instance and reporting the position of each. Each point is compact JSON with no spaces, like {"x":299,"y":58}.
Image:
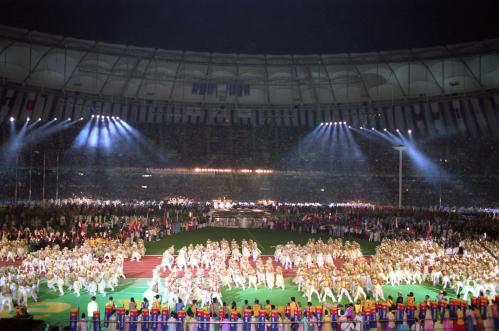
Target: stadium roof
{"x":70,"y":64}
{"x":261,"y":26}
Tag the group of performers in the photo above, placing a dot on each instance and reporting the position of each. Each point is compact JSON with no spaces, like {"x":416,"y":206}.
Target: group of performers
{"x":12,"y":250}
{"x":95,"y":267}
{"x":328,"y":271}
{"x":411,"y":262}
{"x":199,"y":272}
{"x":395,"y":263}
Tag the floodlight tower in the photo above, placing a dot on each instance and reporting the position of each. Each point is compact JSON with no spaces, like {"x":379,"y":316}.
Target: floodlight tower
{"x":400,"y":148}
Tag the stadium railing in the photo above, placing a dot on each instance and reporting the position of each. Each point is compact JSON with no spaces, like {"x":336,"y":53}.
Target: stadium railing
{"x":350,"y":325}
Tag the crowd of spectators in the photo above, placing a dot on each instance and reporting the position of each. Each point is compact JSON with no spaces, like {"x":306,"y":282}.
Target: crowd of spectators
{"x":459,"y":170}
{"x":67,"y":223}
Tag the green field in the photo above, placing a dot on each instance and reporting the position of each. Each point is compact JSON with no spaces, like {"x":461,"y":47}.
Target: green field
{"x":266,"y":239}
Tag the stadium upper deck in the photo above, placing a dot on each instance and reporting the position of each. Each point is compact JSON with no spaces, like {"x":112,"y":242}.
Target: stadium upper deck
{"x":452,"y":86}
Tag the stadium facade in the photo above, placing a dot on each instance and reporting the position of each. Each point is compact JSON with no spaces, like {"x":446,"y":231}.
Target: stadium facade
{"x":445,"y":88}
{"x":238,"y":111}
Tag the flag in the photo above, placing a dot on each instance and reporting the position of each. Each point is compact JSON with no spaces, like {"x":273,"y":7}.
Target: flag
{"x":165,"y":218}
{"x":428,"y":231}
{"x":396,"y":222}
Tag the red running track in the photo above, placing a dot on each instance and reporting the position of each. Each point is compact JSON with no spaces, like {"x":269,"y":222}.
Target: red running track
{"x":143,"y":269}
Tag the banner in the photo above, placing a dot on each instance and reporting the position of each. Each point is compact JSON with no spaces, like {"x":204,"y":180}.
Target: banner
{"x":274,"y":321}
{"x":261,"y":321}
{"x":154,"y":318}
{"x":411,"y":315}
{"x":334,"y":318}
{"x":107,"y":313}
{"x":247,"y":320}
{"x":73,"y":320}
{"x":434,"y":310}
{"x":233,"y":319}
{"x":400,"y":313}
{"x":121,"y":318}
{"x":422,"y":311}
{"x":134,"y":313}
{"x":145,"y":319}
{"x":318,"y":314}
{"x":96,"y":321}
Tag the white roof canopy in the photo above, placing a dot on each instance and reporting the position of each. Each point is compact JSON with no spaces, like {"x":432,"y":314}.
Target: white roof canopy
{"x":69,"y":64}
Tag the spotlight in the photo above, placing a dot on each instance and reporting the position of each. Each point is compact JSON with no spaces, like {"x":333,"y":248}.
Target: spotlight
{"x":107,"y":117}
{"x":345,"y":122}
{"x":81,"y":118}
{"x":112,"y":117}
{"x":27,"y":120}
{"x":409,"y":131}
{"x":349,"y":127}
{"x":384,"y":129}
{"x":55,"y":118}
{"x":69,"y":119}
{"x":98,"y":116}
{"x":372,"y":128}
{"x":93,"y":116}
{"x":11,"y":119}
{"x":397,"y":130}
{"x":118,"y":118}
{"x":361,"y":128}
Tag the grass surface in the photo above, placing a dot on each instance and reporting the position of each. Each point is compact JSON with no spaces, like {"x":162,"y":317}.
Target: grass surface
{"x":266,"y":239}
{"x":54,"y":309}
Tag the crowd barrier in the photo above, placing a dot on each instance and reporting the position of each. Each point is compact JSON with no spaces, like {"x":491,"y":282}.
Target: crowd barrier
{"x":374,"y":319}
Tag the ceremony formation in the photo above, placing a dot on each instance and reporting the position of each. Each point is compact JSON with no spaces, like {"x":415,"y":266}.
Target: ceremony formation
{"x":279,"y":165}
{"x":295,"y":267}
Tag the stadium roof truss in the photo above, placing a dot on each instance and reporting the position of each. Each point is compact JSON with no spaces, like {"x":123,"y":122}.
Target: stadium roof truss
{"x":31,"y":58}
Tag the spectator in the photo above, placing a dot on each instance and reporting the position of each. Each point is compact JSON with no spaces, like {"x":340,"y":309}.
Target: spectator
{"x":133,"y":304}
{"x":82,"y":323}
{"x":91,"y":308}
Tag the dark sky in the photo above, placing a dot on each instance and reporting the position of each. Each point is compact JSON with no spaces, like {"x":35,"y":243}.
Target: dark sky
{"x":261,"y":26}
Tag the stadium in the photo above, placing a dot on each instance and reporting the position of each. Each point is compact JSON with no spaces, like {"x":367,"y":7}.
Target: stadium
{"x":149,"y":187}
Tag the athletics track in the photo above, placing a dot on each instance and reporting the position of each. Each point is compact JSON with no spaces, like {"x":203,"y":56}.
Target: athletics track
{"x":143,"y":269}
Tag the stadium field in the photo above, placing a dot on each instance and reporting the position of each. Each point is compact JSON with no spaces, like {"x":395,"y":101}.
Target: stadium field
{"x":265,"y":238}
{"x":54,"y":309}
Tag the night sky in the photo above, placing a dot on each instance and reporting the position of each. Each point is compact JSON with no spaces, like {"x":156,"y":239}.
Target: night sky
{"x":261,"y":26}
